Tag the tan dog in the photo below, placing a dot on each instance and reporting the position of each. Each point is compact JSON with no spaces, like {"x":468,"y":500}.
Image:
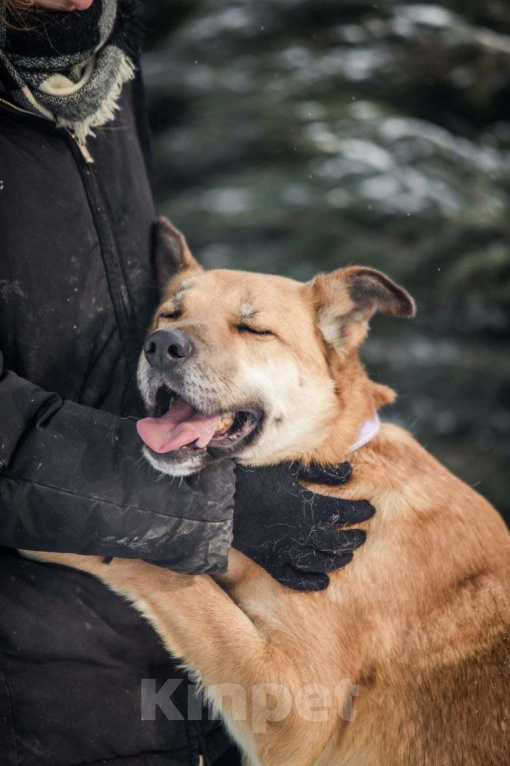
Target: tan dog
{"x":417,"y":626}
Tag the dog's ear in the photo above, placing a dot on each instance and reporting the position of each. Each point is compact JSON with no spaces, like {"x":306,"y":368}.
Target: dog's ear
{"x":172,"y":255}
{"x":346,"y":299}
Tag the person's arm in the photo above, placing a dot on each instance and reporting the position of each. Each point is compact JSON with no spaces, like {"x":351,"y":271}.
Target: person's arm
{"x":72,"y":479}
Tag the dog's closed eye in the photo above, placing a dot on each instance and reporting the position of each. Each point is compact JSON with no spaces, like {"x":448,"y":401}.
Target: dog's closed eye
{"x":170,"y":315}
{"x":253,"y":330}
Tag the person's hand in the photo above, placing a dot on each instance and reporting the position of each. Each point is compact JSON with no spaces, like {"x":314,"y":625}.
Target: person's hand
{"x":292,"y":532}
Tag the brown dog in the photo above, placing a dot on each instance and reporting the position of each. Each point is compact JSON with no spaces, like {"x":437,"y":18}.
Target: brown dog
{"x":416,"y":628}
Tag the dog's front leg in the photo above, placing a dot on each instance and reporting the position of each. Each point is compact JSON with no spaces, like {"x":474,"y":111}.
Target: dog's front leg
{"x":196,"y":619}
{"x":201,"y":624}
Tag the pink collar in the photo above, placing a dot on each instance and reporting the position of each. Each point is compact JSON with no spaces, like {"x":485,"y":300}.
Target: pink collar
{"x":367,"y":432}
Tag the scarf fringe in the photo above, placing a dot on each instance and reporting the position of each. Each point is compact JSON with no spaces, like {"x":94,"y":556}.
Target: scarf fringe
{"x":106,"y":112}
{"x":79,"y":90}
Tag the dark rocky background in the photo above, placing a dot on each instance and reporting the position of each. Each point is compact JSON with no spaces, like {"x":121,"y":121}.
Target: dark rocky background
{"x":292,"y":136}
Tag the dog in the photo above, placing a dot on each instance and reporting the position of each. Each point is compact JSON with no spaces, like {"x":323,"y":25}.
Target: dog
{"x":404,"y":659}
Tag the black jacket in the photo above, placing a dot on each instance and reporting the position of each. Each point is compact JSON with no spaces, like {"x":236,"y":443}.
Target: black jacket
{"x":76,"y":292}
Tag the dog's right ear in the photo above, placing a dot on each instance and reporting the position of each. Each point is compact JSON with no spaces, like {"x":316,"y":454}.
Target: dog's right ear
{"x":172,"y":255}
{"x":345,"y":300}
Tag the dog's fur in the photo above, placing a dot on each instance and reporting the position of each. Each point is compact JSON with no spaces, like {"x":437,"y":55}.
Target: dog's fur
{"x":418,"y":622}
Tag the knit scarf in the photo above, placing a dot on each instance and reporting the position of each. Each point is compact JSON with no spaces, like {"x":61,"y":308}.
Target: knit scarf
{"x":70,"y":67}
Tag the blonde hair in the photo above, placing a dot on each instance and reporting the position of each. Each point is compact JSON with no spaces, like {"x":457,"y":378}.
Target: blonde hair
{"x":17,"y":6}
{"x":16,"y":10}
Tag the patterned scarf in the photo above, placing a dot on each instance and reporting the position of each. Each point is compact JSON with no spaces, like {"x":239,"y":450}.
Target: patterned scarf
{"x":70,"y":66}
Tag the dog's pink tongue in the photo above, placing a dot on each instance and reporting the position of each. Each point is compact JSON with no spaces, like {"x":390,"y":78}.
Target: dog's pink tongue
{"x":182,"y":425}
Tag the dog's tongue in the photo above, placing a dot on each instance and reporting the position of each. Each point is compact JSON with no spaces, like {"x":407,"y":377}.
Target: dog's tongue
{"x":182,"y":425}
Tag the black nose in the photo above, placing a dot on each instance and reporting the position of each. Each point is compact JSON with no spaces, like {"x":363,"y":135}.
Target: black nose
{"x":164,"y":348}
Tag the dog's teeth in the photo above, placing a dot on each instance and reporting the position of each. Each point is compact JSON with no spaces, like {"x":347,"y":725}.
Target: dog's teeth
{"x":226,"y":421}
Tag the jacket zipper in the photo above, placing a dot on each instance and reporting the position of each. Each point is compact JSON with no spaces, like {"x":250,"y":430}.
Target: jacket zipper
{"x":82,"y":146}
{"x":108,"y":246}
{"x":203,"y":758}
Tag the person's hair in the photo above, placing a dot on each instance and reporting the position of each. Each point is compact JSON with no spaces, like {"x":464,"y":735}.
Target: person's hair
{"x":13,"y":12}
{"x":17,"y":6}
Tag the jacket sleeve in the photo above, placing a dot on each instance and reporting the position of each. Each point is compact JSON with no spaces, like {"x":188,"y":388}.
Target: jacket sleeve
{"x":72,"y":479}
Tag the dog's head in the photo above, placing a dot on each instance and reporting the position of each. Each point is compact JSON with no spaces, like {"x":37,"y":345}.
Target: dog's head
{"x":256,"y":367}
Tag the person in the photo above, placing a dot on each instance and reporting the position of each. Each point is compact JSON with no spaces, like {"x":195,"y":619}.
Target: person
{"x":77,"y":289}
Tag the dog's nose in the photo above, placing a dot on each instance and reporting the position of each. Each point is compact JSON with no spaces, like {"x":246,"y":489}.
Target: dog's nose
{"x":164,"y":348}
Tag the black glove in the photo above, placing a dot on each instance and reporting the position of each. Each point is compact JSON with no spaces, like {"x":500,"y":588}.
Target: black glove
{"x":286,"y":528}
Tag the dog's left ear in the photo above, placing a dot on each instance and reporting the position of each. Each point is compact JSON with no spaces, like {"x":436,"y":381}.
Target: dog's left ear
{"x":346,"y":299}
{"x":172,"y":255}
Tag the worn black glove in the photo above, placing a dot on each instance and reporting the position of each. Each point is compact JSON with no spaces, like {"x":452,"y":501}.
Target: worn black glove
{"x":287,"y":529}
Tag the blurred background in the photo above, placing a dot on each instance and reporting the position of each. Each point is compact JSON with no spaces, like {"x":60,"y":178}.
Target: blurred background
{"x":292,"y":136}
